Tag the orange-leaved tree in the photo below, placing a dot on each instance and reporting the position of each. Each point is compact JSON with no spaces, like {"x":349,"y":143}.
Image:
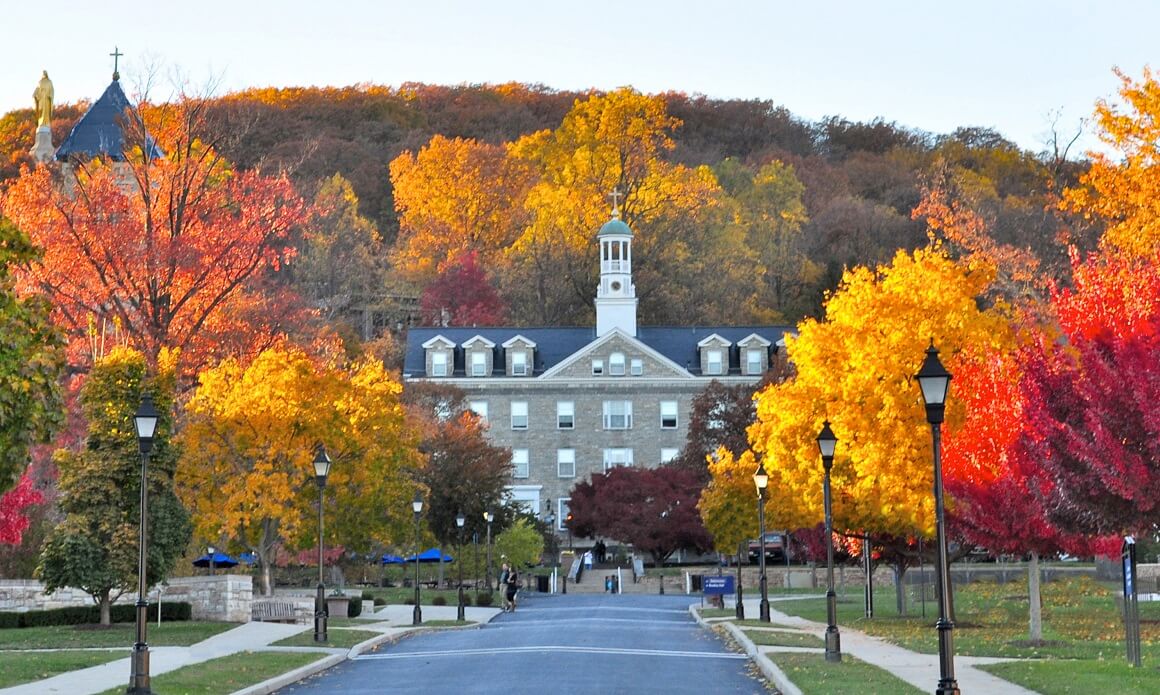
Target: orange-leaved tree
{"x":164,"y":250}
{"x":250,"y":438}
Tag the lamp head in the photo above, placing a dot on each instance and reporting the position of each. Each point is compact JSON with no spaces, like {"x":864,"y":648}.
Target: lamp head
{"x":211,"y":550}
{"x":417,"y":504}
{"x":460,"y":520}
{"x":761,"y":478}
{"x":321,"y":464}
{"x":145,"y":420}
{"x":934,"y":381}
{"x":827,"y":443}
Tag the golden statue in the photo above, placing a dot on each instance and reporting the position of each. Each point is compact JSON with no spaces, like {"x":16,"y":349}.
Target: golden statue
{"x":43,"y":98}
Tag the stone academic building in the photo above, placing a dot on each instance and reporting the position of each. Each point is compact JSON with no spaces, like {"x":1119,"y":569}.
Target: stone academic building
{"x":572,"y":402}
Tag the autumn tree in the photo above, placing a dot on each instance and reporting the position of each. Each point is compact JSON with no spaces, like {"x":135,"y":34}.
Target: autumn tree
{"x":13,"y":506}
{"x":461,"y":295}
{"x":250,"y":437}
{"x":95,"y":547}
{"x":654,"y":509}
{"x":521,"y":544}
{"x":719,"y":417}
{"x":164,"y":251}
{"x":31,"y":361}
{"x":1122,"y":188}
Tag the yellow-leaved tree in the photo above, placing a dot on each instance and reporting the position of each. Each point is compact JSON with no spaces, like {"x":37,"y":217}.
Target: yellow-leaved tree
{"x":855,"y":369}
{"x":246,"y":472}
{"x":1124,"y":191}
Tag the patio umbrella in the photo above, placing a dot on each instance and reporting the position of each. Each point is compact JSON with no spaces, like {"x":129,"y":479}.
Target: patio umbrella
{"x":389,"y":559}
{"x":431,"y":555}
{"x":219,"y":560}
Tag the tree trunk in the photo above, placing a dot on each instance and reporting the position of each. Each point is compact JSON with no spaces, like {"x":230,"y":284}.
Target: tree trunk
{"x":106,"y":605}
{"x":1034,"y":598}
{"x":899,"y":586}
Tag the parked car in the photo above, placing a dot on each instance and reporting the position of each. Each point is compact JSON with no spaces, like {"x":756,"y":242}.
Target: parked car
{"x":776,"y":543}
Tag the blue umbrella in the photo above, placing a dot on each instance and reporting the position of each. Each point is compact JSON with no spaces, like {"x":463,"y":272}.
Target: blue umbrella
{"x":431,"y":555}
{"x":389,"y":559}
{"x":248,"y":557}
{"x":219,"y":560}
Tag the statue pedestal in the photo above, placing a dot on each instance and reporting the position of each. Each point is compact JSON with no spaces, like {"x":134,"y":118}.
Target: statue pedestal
{"x":43,"y":151}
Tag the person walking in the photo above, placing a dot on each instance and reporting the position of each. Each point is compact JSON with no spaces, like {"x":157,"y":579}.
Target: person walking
{"x":513,"y":586}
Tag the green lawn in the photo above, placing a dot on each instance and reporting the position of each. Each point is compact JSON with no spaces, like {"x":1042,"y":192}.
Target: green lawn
{"x":779,"y":638}
{"x":1081,"y":621}
{"x":170,"y":634}
{"x":1058,"y":677}
{"x":815,"y":676}
{"x":335,"y":638}
{"x":25,"y":667}
{"x":227,"y":674}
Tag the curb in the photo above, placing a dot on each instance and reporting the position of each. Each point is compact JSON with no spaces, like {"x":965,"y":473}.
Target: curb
{"x":768,"y":669}
{"x":303,"y":672}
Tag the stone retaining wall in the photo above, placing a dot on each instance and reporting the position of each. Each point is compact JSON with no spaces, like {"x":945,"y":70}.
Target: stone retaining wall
{"x":224,"y":597}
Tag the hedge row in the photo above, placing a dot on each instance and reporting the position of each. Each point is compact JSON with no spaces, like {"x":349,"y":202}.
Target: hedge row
{"x":83,"y":615}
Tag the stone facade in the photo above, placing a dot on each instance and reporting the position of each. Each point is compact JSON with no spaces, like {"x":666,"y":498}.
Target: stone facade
{"x":224,"y":597}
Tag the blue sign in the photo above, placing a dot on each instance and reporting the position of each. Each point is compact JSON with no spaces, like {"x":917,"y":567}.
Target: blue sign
{"x":717,"y":584}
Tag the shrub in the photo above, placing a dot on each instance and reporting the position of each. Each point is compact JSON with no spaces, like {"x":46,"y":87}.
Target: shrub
{"x":354,"y":608}
{"x":367,"y":595}
{"x":466,"y":599}
{"x":79,"y":615}
{"x":439,"y":600}
{"x":484,"y":599}
{"x":408,"y":601}
{"x":380,"y":601}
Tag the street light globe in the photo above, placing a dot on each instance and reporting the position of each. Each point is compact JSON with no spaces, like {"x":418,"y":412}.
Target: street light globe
{"x":321,"y":463}
{"x":417,"y":504}
{"x":827,"y":442}
{"x":460,"y":520}
{"x":145,"y":419}
{"x":933,"y":378}
{"x":761,"y":478}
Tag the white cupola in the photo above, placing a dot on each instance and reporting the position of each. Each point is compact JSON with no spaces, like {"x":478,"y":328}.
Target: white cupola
{"x":616,"y":295}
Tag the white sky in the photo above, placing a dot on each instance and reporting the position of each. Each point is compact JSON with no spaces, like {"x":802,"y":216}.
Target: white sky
{"x":1005,"y":64}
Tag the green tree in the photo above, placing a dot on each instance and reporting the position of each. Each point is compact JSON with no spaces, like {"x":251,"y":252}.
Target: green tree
{"x":95,"y":547}
{"x":31,"y":361}
{"x":521,"y":544}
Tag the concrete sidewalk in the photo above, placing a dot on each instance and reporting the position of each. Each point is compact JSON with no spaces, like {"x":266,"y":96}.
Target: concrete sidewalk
{"x":920,"y":670}
{"x":389,"y":621}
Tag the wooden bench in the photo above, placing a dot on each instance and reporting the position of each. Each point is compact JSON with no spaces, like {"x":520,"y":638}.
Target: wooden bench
{"x":273,"y":612}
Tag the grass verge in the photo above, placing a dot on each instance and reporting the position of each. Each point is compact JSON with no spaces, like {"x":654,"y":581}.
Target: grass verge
{"x":227,"y":674}
{"x":344,"y":639}
{"x":173,"y":634}
{"x":778,"y":638}
{"x":25,"y":667}
{"x":1060,"y":677}
{"x":813,"y":674}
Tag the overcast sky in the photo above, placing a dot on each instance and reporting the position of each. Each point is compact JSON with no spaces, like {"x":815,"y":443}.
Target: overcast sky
{"x":1012,"y":65}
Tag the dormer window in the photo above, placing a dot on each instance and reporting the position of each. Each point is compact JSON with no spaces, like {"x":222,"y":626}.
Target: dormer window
{"x":439,"y":363}
{"x":755,"y":360}
{"x":616,"y":364}
{"x":519,"y":363}
{"x":518,"y":351}
{"x":713,"y":361}
{"x":478,"y":364}
{"x":754,"y":354}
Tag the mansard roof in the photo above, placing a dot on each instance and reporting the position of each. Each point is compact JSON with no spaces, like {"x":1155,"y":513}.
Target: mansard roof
{"x":554,"y":345}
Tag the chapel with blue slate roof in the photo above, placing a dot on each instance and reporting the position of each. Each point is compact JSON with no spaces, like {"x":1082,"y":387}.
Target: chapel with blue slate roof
{"x":100,"y":132}
{"x":573,"y":402}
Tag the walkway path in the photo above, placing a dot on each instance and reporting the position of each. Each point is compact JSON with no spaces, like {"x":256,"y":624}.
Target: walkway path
{"x":920,"y":670}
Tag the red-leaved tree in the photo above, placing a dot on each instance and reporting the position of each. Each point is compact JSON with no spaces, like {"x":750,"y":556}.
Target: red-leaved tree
{"x":13,"y":520}
{"x":462,"y":296}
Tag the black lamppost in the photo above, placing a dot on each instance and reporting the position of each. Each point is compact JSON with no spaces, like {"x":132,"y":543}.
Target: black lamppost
{"x":145,"y":420}
{"x":488,"y":517}
{"x":321,"y":470}
{"x":460,"y":520}
{"x":761,"y":480}
{"x":935,"y":380}
{"x":827,"y":442}
{"x":417,"y":508}
{"x":212,"y":550}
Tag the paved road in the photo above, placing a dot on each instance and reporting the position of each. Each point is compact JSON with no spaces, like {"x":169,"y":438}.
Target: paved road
{"x":554,"y":645}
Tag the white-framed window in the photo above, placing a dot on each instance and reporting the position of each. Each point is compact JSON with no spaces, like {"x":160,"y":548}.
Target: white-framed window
{"x":562,"y":511}
{"x":617,"y":415}
{"x":754,"y":361}
{"x":617,"y":457}
{"x":439,"y":363}
{"x":566,"y":463}
{"x":519,"y":415}
{"x":519,"y":363}
{"x":565,"y":415}
{"x":479,"y":408}
{"x":616,"y":364}
{"x":519,"y":463}
{"x":668,"y":415}
{"x":636,"y":366}
{"x":478,"y":364}
{"x":669,"y":454}
{"x":597,"y":367}
{"x":713,"y":361}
